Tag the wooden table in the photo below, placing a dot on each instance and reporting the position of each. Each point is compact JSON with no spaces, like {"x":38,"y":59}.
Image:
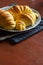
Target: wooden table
{"x":29,"y":51}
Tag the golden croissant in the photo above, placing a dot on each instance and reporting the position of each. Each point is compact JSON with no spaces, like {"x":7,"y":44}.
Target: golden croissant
{"x":25,"y":11}
{"x":6,"y":20}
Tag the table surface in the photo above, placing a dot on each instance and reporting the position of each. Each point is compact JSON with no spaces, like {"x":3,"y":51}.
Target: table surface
{"x":29,"y":51}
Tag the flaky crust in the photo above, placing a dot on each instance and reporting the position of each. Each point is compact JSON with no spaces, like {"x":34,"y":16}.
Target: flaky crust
{"x":6,"y":20}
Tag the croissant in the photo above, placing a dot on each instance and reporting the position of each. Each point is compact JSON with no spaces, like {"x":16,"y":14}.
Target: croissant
{"x":6,"y":20}
{"x":17,"y":10}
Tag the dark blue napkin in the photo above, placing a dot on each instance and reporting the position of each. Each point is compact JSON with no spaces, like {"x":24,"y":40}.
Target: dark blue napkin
{"x":27,"y":34}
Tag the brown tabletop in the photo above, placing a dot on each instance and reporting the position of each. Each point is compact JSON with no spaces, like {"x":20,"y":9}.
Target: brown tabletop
{"x":29,"y":51}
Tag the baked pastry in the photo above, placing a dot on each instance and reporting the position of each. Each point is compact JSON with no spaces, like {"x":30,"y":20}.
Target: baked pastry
{"x":20,"y":25}
{"x":27,"y":19}
{"x":28,"y":10}
{"x":17,"y":10}
{"x":6,"y":20}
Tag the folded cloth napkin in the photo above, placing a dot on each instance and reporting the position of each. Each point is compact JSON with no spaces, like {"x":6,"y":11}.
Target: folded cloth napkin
{"x":17,"y":37}
{"x":24,"y":35}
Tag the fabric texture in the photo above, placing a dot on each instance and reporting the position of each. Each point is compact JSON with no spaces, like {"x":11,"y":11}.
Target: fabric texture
{"x":27,"y":34}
